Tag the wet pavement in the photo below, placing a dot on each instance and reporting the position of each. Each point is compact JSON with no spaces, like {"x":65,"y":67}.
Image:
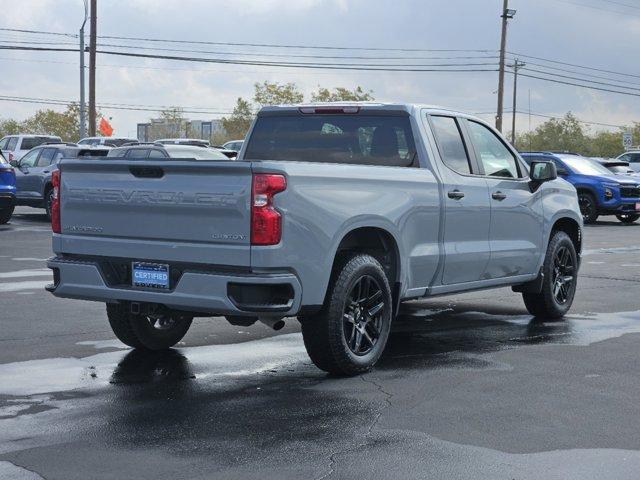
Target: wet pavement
{"x":469,"y":387}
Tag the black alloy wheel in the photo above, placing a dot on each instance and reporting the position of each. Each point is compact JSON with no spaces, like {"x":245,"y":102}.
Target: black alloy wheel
{"x":363,"y":316}
{"x":588,"y":207}
{"x":563,"y":275}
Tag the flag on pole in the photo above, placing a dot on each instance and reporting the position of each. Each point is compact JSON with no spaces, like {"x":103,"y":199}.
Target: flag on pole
{"x":105,"y":127}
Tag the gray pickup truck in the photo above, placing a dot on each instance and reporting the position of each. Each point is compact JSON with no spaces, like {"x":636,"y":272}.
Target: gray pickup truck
{"x":331,"y":213}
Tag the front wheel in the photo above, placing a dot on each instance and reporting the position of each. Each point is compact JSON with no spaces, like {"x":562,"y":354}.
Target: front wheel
{"x":151,"y":332}
{"x":349,"y":335}
{"x":560,"y":271}
{"x":5,"y":215}
{"x":588,"y":207}
{"x":627,"y":217}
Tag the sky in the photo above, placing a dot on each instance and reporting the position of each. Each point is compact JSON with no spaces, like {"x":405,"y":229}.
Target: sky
{"x":602,"y":34}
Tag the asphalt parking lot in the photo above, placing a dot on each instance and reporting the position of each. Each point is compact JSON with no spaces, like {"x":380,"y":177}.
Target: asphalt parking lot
{"x":470,"y":387}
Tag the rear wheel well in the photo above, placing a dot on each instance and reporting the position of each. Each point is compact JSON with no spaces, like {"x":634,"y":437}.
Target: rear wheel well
{"x":376,"y":242}
{"x":571,"y":228}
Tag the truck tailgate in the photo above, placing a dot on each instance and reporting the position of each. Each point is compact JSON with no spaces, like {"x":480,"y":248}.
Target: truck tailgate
{"x":171,"y":210}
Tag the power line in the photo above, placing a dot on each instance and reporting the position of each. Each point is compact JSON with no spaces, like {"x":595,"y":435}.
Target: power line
{"x":266,"y":45}
{"x":575,"y":65}
{"x":580,"y":85}
{"x":115,"y":106}
{"x":321,"y":66}
{"x":569,"y":2}
{"x":543,"y":115}
{"x":621,"y":4}
{"x":39,"y":31}
{"x":595,"y":82}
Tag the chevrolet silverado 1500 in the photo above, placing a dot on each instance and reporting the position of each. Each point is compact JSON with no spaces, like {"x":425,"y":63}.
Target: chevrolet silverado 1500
{"x":332,"y":213}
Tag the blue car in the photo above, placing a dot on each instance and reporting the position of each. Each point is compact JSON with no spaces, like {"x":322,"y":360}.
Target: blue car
{"x":7,"y":190}
{"x":600,"y":192}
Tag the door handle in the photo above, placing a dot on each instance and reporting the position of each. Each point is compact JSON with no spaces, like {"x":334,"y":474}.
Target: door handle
{"x":45,"y":171}
{"x":498,"y":195}
{"x":455,"y":194}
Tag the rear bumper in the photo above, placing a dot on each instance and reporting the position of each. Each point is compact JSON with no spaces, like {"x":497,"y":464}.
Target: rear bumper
{"x":206,"y":292}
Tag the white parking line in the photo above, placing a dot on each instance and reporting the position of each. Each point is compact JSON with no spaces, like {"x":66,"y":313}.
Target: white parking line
{"x":27,"y":285}
{"x":29,"y":259}
{"x":40,"y":272}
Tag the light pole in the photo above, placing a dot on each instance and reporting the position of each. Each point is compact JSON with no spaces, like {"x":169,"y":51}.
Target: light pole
{"x":83,"y":121}
{"x":507,"y":14}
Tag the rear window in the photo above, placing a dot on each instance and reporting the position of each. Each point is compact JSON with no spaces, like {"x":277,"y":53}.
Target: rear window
{"x":352,"y":139}
{"x":30,"y":142}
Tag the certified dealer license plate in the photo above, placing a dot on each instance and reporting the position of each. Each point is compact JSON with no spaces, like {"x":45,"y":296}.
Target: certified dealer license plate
{"x":150,"y":275}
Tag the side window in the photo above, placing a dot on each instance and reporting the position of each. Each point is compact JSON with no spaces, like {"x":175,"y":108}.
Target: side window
{"x":450,"y":143}
{"x":13,"y":142}
{"x":29,"y":160}
{"x":634,"y":158}
{"x":3,"y":143}
{"x":138,"y":153}
{"x":157,"y":153}
{"x":495,"y":157}
{"x":46,"y":157}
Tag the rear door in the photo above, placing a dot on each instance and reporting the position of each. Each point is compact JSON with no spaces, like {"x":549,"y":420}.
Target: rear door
{"x":164,"y":209}
{"x":466,"y":200}
{"x":516,"y":212}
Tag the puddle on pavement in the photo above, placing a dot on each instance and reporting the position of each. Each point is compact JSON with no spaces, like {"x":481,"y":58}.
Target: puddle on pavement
{"x":420,"y":337}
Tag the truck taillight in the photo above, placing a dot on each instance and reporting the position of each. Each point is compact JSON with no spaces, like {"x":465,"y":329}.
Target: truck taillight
{"x":266,"y":221}
{"x":55,"y":204}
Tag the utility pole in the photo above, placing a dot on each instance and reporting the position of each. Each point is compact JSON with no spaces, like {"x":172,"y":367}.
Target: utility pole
{"x":83,"y":107}
{"x":92,"y":70}
{"x":516,"y":66}
{"x":507,"y":14}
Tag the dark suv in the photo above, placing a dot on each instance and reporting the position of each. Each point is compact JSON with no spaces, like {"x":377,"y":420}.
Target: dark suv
{"x":33,"y":171}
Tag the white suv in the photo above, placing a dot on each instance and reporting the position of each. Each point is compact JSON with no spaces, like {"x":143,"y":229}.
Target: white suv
{"x":633,"y":157}
{"x":15,"y":146}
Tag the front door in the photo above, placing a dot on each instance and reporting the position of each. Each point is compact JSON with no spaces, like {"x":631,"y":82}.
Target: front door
{"x":26,"y":181}
{"x":516,"y":213}
{"x":467,"y":208}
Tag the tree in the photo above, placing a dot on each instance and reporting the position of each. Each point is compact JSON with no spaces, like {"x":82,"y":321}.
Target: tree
{"x":238,"y":123}
{"x":9,"y":127}
{"x":566,"y":133}
{"x":340,"y":94}
{"x":274,"y":93}
{"x":65,"y":125}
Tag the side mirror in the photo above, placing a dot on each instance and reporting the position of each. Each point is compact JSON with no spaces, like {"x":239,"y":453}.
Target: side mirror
{"x":14,"y":163}
{"x":543,"y":172}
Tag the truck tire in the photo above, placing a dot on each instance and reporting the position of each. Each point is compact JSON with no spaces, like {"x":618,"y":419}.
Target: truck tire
{"x":150,"y":332}
{"x":349,"y":334}
{"x":627,"y":217}
{"x":560,"y":271}
{"x":5,"y":215}
{"x":588,"y":207}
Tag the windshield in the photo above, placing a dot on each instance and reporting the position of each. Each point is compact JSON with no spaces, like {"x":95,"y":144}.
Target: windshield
{"x":198,"y":153}
{"x":585,"y":166}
